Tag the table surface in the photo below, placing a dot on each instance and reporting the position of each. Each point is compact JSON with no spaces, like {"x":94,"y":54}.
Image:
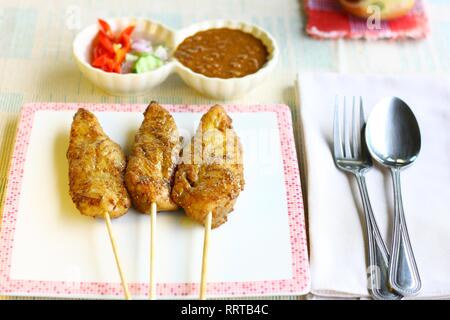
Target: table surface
{"x":37,"y":66}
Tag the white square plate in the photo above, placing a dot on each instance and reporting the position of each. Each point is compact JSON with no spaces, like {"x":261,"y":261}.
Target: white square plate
{"x":47,"y":248}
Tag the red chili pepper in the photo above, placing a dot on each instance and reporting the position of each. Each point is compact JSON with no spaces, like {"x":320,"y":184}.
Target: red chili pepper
{"x":120,"y":56}
{"x":125,"y":41}
{"x":105,"y":42}
{"x":127,"y":32}
{"x":105,"y":28}
{"x":117,"y":68}
{"x":125,"y":38}
{"x":100,"y":62}
{"x":108,"y":52}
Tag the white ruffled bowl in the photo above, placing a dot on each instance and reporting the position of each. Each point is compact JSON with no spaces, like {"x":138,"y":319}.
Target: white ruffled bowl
{"x":135,"y":84}
{"x":130,"y":83}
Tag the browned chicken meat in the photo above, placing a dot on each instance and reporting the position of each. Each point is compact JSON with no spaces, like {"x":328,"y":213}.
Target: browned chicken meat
{"x":153,"y":160}
{"x":210,"y":175}
{"x":96,"y":168}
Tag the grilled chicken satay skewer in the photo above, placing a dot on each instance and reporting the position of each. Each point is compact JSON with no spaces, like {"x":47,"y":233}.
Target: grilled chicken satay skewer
{"x":96,"y":168}
{"x":150,"y":170}
{"x":210,"y":176}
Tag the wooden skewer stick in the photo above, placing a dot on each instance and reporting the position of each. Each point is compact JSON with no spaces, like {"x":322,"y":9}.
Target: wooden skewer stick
{"x":203,"y":281}
{"x":152,"y":289}
{"x":116,"y":256}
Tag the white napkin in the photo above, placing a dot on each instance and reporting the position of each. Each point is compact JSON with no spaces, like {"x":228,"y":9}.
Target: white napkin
{"x":337,"y":245}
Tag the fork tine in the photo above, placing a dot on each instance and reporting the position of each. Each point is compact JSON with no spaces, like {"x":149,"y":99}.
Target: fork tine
{"x":355,"y":146}
{"x":362,"y":119}
{"x":362,"y":123}
{"x":347,"y":152}
{"x":337,"y":141}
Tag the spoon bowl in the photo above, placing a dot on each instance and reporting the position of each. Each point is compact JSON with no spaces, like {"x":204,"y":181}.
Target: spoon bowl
{"x":393,"y":134}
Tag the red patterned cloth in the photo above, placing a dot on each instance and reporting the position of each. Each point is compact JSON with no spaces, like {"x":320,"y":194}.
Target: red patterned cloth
{"x":327,"y":20}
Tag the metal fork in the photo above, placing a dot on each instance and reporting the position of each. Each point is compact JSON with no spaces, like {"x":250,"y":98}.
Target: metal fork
{"x":351,"y":155}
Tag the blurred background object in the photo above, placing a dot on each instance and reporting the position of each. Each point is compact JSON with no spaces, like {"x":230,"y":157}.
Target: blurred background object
{"x":367,"y":19}
{"x":387,"y":9}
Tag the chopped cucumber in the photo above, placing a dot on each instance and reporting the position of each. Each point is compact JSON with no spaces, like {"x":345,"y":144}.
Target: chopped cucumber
{"x":147,"y":62}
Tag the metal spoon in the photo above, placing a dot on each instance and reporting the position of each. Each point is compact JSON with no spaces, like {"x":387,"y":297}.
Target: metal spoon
{"x":393,"y":139}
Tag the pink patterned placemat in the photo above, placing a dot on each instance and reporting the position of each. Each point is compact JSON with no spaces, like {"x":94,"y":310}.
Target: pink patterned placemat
{"x":298,"y":284}
{"x":327,"y":20}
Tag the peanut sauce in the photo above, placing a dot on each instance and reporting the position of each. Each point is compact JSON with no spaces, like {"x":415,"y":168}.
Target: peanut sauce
{"x":222,"y":53}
